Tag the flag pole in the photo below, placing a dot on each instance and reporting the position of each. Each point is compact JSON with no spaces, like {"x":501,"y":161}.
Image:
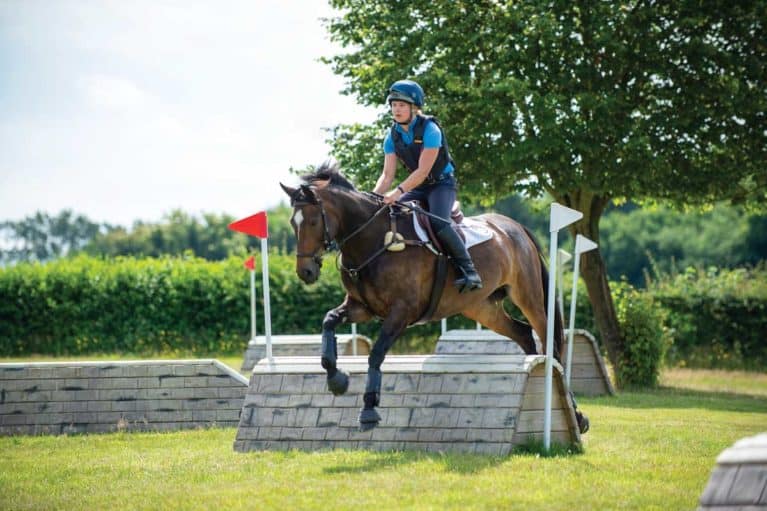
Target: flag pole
{"x":267,"y":307}
{"x":253,"y":304}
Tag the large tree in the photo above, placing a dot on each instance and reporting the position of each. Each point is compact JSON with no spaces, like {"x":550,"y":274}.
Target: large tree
{"x":590,"y":101}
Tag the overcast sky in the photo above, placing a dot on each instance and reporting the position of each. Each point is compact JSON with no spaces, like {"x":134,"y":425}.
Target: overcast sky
{"x":126,"y":110}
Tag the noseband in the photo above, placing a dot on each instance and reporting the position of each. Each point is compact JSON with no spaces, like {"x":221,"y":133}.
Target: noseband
{"x":327,"y":241}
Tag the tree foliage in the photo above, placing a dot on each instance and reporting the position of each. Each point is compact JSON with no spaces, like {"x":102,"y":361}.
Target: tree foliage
{"x":588,"y":101}
{"x":41,"y":237}
{"x":641,"y":99}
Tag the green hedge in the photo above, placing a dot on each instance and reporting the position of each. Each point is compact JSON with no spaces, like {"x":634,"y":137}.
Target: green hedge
{"x":718,"y":317}
{"x":169,"y":305}
{"x":713,"y":318}
{"x":184,"y":304}
{"x":87,"y":305}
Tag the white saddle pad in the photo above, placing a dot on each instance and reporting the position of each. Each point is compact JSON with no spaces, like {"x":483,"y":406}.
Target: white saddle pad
{"x":474,"y":231}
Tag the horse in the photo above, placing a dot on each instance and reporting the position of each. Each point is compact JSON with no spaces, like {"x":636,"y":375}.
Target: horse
{"x":396,"y":286}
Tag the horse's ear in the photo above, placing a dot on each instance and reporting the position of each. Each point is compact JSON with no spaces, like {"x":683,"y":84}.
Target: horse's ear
{"x":290,"y":191}
{"x":308,"y":194}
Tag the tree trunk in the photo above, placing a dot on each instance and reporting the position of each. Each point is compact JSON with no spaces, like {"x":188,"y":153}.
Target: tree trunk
{"x":594,"y":273}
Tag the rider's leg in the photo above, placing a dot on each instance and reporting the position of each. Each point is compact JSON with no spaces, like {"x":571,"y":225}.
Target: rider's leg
{"x":441,"y":199}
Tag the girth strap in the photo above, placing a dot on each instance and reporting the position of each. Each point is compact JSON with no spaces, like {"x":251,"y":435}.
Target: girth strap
{"x":440,"y":276}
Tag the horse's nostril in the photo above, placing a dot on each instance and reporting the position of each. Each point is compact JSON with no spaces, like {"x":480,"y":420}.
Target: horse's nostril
{"x":308,"y":272}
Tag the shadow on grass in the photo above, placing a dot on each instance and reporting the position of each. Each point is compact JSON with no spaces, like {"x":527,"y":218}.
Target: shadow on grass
{"x":453,"y":462}
{"x":672,"y":397}
{"x":459,"y":463}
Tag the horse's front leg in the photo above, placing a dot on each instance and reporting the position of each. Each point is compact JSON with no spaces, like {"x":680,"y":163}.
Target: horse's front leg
{"x":391,"y":329}
{"x":350,"y":310}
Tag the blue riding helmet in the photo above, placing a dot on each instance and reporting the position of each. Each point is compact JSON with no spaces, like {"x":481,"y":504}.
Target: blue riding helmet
{"x":406,"y":90}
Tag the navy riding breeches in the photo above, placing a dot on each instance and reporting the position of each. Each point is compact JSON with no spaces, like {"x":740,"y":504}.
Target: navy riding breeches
{"x":437,"y":198}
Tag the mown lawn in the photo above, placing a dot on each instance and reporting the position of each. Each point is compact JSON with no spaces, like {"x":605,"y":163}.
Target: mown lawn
{"x":646,"y":450}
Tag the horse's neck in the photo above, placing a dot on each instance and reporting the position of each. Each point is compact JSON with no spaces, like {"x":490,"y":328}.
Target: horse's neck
{"x":354,"y":214}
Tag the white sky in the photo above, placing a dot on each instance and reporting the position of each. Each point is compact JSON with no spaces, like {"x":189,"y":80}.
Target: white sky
{"x":125,"y":110}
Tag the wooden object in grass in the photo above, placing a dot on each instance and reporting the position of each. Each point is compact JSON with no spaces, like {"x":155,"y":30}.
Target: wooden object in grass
{"x":739,"y":480}
{"x":465,"y":403}
{"x":300,"y":345}
{"x":589,"y":373}
{"x":96,"y":397}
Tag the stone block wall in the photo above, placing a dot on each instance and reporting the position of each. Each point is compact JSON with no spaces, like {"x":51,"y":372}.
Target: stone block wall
{"x":589,"y":374}
{"x":465,"y":403}
{"x":739,"y":480}
{"x":95,"y":397}
{"x":301,"y":345}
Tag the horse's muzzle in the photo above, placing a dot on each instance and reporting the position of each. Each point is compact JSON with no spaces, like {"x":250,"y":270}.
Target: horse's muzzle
{"x":308,"y":273}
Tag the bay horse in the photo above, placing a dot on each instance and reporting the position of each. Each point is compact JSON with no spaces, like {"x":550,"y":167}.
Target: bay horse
{"x":396,"y":286}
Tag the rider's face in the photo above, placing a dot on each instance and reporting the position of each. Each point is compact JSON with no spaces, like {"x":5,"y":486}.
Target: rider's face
{"x":400,"y":110}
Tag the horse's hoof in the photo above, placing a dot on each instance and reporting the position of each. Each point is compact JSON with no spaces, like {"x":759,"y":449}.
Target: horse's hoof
{"x":339,"y":383}
{"x":369,"y":419}
{"x":583,"y":422}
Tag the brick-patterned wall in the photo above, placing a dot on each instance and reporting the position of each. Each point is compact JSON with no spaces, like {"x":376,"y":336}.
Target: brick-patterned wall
{"x":92,"y":397}
{"x":479,"y":342}
{"x":589,"y":376}
{"x":465,"y":403}
{"x":300,"y":345}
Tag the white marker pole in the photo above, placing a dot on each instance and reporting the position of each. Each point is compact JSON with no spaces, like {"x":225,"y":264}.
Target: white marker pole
{"x":443,"y":326}
{"x":582,"y":244}
{"x":354,"y":339}
{"x":560,"y":217}
{"x":267,"y":308}
{"x":562,"y":257}
{"x":253,"y":304}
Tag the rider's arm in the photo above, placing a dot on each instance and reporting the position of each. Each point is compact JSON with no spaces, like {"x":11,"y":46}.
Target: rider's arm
{"x":432,"y":141}
{"x":387,"y":175}
{"x":425,"y":163}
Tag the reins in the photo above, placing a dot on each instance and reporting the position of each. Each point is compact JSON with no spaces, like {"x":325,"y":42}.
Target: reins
{"x":329,"y":244}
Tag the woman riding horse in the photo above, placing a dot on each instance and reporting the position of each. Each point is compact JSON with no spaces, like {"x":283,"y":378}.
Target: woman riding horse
{"x":395,"y":287}
{"x":419,"y":143}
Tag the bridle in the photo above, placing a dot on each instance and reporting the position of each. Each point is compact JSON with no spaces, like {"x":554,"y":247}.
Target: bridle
{"x":328,"y":242}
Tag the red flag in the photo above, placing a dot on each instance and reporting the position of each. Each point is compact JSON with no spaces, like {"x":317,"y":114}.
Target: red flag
{"x":250,"y":263}
{"x":254,"y":225}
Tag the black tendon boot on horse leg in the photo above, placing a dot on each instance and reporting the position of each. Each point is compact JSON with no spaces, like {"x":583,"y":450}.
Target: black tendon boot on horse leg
{"x":583,"y":421}
{"x":369,"y":417}
{"x":454,"y":245}
{"x":338,"y":381}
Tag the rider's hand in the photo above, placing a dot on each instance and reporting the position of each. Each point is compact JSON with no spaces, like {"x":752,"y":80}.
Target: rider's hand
{"x":392,"y":196}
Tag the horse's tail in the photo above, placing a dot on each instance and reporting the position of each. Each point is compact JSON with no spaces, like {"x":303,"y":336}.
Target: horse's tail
{"x":559,"y":334}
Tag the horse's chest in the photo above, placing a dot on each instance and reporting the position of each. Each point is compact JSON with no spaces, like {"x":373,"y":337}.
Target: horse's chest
{"x":398,"y":282}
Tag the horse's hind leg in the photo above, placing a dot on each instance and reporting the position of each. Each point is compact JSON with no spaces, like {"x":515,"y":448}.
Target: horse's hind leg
{"x":350,"y":310}
{"x":491,"y":314}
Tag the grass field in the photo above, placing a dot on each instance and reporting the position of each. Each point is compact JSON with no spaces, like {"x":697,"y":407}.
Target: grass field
{"x":646,"y":450}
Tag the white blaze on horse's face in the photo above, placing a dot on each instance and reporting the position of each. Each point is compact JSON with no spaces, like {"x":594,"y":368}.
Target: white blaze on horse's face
{"x":298,"y":217}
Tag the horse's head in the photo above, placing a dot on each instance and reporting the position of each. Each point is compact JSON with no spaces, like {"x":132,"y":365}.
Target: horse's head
{"x":310,"y":225}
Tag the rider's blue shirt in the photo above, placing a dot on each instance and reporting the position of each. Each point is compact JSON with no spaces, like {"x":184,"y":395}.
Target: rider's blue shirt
{"x":432,"y":139}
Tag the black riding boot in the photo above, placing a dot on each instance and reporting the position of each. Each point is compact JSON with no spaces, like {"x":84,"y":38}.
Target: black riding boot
{"x":455,"y":248}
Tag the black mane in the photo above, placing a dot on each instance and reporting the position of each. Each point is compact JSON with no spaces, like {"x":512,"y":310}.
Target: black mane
{"x":325,"y":171}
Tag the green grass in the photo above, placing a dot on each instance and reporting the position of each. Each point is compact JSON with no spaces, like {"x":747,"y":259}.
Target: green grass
{"x":646,"y":450}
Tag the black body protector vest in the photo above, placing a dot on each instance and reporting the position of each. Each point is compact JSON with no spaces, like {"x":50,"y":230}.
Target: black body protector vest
{"x":409,"y":154}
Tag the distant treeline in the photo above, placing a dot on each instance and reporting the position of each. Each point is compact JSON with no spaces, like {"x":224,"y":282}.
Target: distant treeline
{"x":634,"y":241}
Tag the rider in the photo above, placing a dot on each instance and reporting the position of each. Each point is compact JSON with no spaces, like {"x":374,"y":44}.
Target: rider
{"x":431,"y":168}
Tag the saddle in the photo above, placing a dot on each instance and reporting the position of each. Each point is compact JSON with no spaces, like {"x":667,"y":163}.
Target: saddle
{"x":456,"y":217}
